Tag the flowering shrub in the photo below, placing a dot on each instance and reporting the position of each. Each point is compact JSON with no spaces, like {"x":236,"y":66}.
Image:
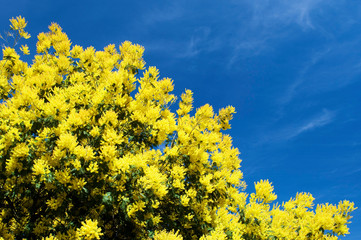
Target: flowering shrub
{"x":90,"y":149}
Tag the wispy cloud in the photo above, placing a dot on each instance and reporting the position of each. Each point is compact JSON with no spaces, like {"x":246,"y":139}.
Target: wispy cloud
{"x":283,"y":12}
{"x":270,"y":21}
{"x":334,"y":67}
{"x":200,"y":41}
{"x":324,"y":118}
{"x":293,"y":130}
{"x":343,"y":171}
{"x":293,"y":89}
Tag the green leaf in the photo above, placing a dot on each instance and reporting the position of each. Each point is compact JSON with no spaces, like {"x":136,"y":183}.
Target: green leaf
{"x":107,"y":198}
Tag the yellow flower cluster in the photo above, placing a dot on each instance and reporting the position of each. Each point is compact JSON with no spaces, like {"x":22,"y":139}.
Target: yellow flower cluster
{"x":19,"y":25}
{"x":164,"y":235}
{"x":91,"y":148}
{"x":89,"y":230}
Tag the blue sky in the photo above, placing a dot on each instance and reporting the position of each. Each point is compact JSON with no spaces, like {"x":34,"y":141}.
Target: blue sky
{"x":292,"y":70}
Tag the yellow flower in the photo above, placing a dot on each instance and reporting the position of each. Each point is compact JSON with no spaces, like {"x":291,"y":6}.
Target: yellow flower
{"x":9,"y":52}
{"x":63,"y":176}
{"x":164,"y":235}
{"x":89,"y":230}
{"x":156,"y":220}
{"x":154,"y":180}
{"x":93,"y":167}
{"x":225,"y":115}
{"x":264,"y":192}
{"x":67,"y":141}
{"x":185,"y":106}
{"x":54,"y":203}
{"x":95,"y":131}
{"x":135,"y":207}
{"x":74,"y":109}
{"x":50,"y":237}
{"x":18,"y":23}
{"x":155,"y":204}
{"x":76,"y":51}
{"x":25,"y":49}
{"x":109,"y":152}
{"x":185,"y":200}
{"x":191,"y":193}
{"x":11,"y":164}
{"x":40,"y":167}
{"x":78,"y":184}
{"x":178,"y":172}
{"x":21,"y":150}
{"x":76,"y":163}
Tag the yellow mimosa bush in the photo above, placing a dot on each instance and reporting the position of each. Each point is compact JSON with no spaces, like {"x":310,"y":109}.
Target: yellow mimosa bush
{"x":90,"y":149}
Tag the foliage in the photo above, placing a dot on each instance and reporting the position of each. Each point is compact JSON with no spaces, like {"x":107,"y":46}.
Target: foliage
{"x":90,"y":149}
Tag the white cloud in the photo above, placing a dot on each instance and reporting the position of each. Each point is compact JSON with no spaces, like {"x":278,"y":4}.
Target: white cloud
{"x":324,"y":118}
{"x":283,"y":12}
{"x":315,"y":122}
{"x":200,"y":41}
{"x":293,"y":130}
{"x":293,"y":89}
{"x":334,"y":67}
{"x":269,"y":21}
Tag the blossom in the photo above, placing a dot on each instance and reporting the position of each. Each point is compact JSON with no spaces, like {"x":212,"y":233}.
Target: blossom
{"x":91,"y":147}
{"x":25,"y":49}
{"x":89,"y":230}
